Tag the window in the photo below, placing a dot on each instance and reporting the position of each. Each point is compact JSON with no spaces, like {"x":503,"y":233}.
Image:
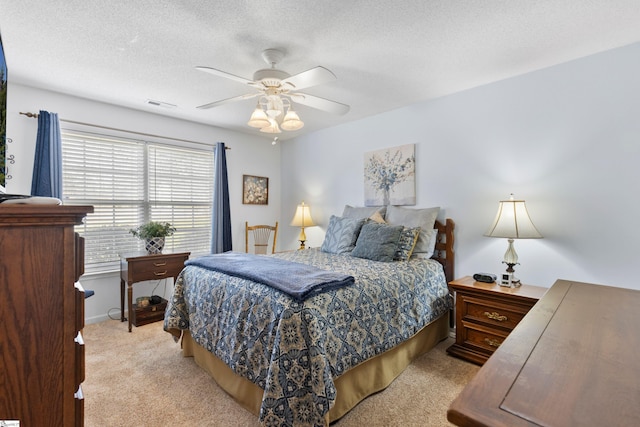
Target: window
{"x":130,"y":182}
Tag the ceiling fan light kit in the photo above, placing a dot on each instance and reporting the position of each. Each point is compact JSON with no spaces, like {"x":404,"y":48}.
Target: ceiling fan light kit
{"x":276,"y":90}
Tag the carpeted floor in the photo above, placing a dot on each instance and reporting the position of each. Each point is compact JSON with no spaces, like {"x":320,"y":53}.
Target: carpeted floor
{"x":141,"y":379}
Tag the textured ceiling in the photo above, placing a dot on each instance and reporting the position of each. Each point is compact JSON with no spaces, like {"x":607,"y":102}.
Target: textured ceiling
{"x":385,"y":54}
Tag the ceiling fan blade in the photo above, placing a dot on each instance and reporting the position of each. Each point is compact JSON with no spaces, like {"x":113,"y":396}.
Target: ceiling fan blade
{"x":320,"y":103}
{"x":224,"y":74}
{"x":312,"y":77}
{"x":228,"y":100}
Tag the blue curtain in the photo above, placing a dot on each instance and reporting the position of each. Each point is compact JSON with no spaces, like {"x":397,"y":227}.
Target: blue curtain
{"x":221,"y":221}
{"x":47,"y":165}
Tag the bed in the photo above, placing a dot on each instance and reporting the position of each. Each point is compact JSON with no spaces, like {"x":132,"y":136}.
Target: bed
{"x":308,"y":362}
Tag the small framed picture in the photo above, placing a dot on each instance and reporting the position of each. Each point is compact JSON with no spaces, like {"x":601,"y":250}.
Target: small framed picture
{"x":255,"y":190}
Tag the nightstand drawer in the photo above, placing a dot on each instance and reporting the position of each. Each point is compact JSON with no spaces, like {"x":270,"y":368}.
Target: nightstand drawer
{"x":486,"y":339}
{"x":492,"y":312}
{"x":151,"y":269}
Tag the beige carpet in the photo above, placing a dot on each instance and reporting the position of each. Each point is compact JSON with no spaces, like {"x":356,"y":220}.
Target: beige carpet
{"x":141,"y":379}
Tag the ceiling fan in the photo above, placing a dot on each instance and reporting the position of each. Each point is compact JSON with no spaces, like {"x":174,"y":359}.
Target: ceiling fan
{"x":276,"y":91}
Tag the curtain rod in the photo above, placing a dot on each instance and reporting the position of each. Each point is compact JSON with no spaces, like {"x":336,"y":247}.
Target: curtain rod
{"x":35,"y":116}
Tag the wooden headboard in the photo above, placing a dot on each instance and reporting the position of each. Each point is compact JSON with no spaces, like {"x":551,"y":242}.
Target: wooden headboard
{"x":444,"y":247}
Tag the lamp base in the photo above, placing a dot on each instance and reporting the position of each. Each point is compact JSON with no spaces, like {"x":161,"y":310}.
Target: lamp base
{"x":302,"y":245}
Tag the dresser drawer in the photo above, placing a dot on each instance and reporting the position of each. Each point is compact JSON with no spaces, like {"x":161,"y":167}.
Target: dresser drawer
{"x":492,"y":312}
{"x":79,"y":407}
{"x":79,"y":302}
{"x":151,"y":269}
{"x":80,"y":359}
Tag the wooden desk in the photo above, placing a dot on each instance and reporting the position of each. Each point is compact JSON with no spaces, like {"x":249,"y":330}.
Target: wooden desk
{"x":572,"y":361}
{"x":142,"y":266}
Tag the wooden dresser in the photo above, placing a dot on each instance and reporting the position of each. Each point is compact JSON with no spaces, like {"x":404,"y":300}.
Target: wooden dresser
{"x":41,"y":315}
{"x":572,"y":361}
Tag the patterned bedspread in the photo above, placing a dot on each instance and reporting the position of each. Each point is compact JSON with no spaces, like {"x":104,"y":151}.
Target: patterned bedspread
{"x":295,"y":350}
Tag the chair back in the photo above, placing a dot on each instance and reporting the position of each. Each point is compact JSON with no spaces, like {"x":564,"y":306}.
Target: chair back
{"x":261,"y":236}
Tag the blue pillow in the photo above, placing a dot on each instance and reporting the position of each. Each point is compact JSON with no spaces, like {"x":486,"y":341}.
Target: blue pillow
{"x":377,"y":242}
{"x":341,"y":234}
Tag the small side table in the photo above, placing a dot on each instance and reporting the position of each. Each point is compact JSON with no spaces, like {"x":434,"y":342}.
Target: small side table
{"x":485,"y":315}
{"x":142,"y":266}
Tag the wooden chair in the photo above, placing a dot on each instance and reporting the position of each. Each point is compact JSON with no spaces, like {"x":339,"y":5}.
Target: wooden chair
{"x":261,"y":235}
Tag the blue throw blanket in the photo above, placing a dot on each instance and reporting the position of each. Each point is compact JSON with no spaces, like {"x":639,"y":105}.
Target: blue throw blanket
{"x":300,"y":281}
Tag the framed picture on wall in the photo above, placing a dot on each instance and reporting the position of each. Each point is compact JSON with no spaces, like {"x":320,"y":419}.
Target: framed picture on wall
{"x":255,"y":190}
{"x":389,"y":176}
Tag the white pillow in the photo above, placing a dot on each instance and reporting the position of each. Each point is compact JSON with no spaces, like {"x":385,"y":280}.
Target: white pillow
{"x":423,"y":218}
{"x":432,"y":246}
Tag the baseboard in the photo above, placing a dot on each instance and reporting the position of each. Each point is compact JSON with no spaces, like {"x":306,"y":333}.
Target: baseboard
{"x":96,"y":319}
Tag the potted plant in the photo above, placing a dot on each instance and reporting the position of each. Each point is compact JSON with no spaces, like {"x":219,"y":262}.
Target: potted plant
{"x":153,"y":233}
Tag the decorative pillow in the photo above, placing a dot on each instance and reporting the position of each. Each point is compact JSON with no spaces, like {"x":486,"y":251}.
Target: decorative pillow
{"x":406,"y":243}
{"x":423,"y":218}
{"x":377,"y":242}
{"x":432,"y":246}
{"x":341,"y":234}
{"x":364,"y":212}
{"x":377,"y":217}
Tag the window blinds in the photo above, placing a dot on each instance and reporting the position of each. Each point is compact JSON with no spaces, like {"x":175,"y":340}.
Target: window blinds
{"x":130,"y":182}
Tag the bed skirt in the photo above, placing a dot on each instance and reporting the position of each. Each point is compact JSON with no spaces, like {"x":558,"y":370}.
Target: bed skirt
{"x":352,"y":387}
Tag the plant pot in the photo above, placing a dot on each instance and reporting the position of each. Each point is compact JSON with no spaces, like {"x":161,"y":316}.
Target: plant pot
{"x":154,"y":245}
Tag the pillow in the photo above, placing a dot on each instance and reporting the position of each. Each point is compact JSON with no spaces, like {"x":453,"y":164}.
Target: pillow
{"x":377,"y":242}
{"x":341,"y":234}
{"x":423,"y":218}
{"x":406,"y":243}
{"x":364,"y":212}
{"x":432,"y":246}
{"x":376,"y":217}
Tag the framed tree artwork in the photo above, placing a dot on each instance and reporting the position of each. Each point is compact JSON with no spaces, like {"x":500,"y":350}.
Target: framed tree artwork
{"x":255,"y":190}
{"x":389,"y":176}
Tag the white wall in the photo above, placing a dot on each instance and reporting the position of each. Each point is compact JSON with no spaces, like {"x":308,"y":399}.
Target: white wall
{"x":248,"y":155}
{"x":566,"y":139}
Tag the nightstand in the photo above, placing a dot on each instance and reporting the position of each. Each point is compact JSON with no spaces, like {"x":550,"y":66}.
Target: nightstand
{"x":485,"y":315}
{"x":140,"y":267}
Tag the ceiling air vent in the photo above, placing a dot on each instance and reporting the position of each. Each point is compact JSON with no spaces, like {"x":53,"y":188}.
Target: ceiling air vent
{"x":160,"y":104}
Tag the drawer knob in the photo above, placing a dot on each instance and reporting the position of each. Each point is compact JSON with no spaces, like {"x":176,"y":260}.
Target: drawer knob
{"x":160,"y":264}
{"x":496,"y":316}
{"x":160,"y":273}
{"x":492,"y":342}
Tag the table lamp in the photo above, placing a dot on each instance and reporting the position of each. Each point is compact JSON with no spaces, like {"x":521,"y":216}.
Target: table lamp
{"x":302,"y":219}
{"x":512,"y":222}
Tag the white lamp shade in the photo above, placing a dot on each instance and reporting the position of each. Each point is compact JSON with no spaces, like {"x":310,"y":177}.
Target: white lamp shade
{"x":272,"y":128}
{"x":291,"y":121}
{"x":513,"y":222}
{"x":258,"y":119}
{"x":302,"y":217}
